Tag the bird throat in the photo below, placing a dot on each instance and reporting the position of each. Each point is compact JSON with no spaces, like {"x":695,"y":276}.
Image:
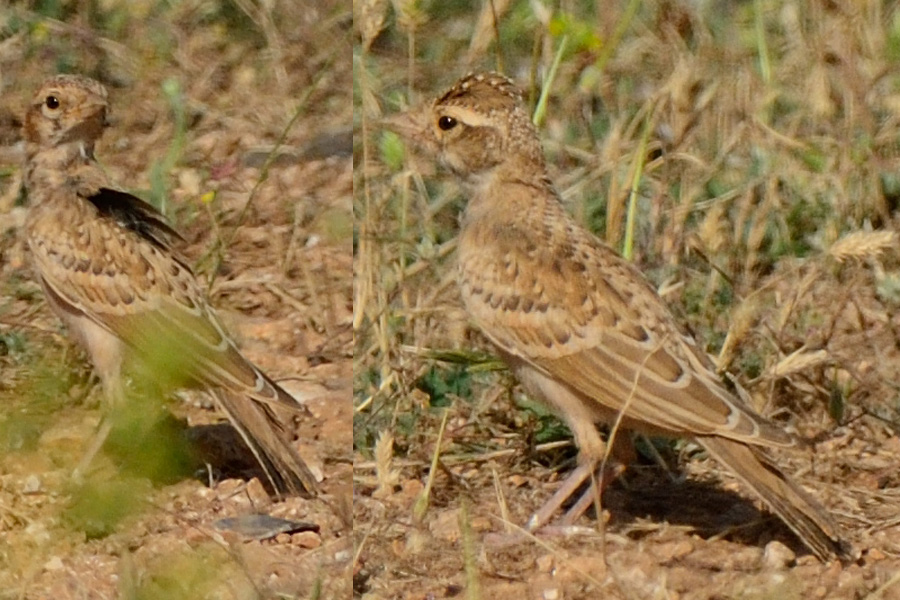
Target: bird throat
{"x":51,"y":166}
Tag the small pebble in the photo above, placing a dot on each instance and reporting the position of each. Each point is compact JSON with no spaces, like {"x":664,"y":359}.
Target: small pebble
{"x":674,"y":550}
{"x":777,"y":556}
{"x":32,"y":485}
{"x":551,"y":594}
{"x":875,"y":554}
{"x":229,"y":487}
{"x":306,"y":539}
{"x":545,"y":563}
{"x":259,"y":498}
{"x":54,"y":564}
{"x":194,"y":536}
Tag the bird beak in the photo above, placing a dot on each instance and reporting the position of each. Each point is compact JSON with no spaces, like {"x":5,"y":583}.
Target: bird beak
{"x":92,"y":110}
{"x":412,"y":127}
{"x":90,"y":125}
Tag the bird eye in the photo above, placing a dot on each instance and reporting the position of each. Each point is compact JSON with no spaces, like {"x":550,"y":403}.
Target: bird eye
{"x":446,"y":123}
{"x":51,"y":102}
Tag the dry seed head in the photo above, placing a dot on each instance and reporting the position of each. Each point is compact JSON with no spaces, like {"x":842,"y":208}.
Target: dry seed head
{"x":387,"y":476}
{"x":410,"y":15}
{"x":742,"y":319}
{"x":861,"y":245}
{"x":370,"y":17}
{"x":796,"y":362}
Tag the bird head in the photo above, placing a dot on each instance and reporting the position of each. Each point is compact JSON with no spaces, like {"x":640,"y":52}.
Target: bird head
{"x":477,"y":128}
{"x":67,"y":109}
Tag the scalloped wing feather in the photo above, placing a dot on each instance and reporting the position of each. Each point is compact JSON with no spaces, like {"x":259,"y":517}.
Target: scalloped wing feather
{"x":590,"y":319}
{"x":126,"y":279}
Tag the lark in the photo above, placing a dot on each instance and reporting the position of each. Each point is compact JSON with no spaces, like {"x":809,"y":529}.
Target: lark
{"x":109,"y":267}
{"x":578,"y":325}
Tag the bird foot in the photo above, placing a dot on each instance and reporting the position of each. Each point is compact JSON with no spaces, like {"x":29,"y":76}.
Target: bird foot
{"x":570,"y":486}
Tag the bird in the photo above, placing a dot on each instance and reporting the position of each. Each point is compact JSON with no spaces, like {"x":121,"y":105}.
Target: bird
{"x":579,"y":326}
{"x":109,"y":267}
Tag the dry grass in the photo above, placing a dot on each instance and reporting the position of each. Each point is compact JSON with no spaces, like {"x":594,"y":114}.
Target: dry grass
{"x":764,"y":211}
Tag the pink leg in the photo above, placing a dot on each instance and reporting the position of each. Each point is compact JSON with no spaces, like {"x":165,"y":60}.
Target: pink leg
{"x":572,"y":483}
{"x":575,"y":479}
{"x":589,"y":496}
{"x":94,"y":448}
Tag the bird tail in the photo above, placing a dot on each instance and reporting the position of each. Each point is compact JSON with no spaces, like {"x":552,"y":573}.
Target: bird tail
{"x":806,"y":517}
{"x":264,"y":434}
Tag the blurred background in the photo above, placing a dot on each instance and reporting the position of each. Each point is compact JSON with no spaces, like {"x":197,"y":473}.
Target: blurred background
{"x":756,"y":145}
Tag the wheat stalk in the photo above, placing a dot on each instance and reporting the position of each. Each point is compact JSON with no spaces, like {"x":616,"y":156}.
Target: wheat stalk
{"x":860,"y":245}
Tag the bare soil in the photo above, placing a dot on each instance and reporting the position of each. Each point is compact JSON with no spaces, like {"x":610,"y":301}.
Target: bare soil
{"x":674,"y":525}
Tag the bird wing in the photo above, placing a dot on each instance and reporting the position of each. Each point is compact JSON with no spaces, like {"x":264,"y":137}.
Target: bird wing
{"x":133,"y":214}
{"x":554,"y":296}
{"x":117,"y":267}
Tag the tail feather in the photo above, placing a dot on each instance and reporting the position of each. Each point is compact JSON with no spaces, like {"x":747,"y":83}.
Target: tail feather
{"x":804,"y":515}
{"x":264,"y":435}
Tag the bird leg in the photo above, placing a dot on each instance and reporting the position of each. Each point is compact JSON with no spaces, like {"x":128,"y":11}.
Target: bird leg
{"x":569,"y":487}
{"x":572,"y":483}
{"x":113,"y":392}
{"x":97,"y":443}
{"x":592,"y":494}
{"x":106,"y":353}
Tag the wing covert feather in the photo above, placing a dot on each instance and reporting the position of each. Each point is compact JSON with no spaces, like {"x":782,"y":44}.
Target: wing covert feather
{"x":568,"y":305}
{"x":126,"y":279}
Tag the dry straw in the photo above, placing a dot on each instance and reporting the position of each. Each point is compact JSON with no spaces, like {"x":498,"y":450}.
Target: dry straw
{"x":370,"y":16}
{"x":861,"y":245}
{"x":386,"y":475}
{"x":797,"y":362}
